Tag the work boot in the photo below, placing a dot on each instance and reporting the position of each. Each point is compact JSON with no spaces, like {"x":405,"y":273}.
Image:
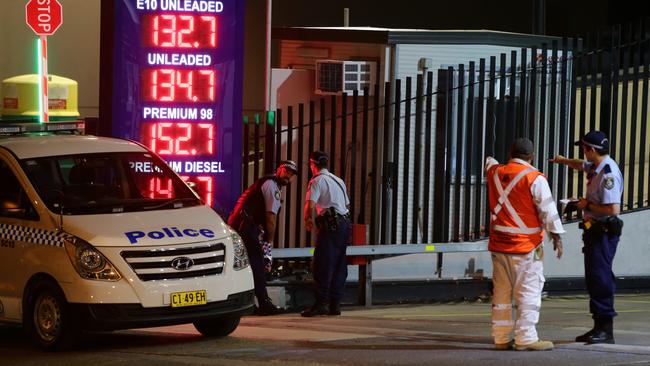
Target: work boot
{"x":319,"y":308}
{"x":335,"y":308}
{"x":584,"y":338}
{"x":504,"y":346}
{"x":535,"y":346}
{"x":266,"y":307}
{"x":604,"y":333}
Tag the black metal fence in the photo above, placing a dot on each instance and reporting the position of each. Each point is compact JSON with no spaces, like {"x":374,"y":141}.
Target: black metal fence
{"x":412,"y":151}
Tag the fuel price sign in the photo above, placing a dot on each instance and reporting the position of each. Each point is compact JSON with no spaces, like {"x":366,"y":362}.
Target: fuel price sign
{"x":177,"y":88}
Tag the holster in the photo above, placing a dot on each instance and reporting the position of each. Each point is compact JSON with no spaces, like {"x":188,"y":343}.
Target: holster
{"x":611,"y":225}
{"x":330,"y":219}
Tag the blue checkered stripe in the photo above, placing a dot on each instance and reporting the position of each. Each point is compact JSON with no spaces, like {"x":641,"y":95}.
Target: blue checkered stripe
{"x":31,"y":235}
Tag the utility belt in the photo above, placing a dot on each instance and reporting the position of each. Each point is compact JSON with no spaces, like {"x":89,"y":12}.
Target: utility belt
{"x":245,"y":221}
{"x":611,"y":225}
{"x":331,"y":219}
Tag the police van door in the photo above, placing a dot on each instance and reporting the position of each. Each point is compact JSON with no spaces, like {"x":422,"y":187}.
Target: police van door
{"x":18,"y":219}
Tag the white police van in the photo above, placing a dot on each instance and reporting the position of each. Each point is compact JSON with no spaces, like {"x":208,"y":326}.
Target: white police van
{"x":86,"y":244}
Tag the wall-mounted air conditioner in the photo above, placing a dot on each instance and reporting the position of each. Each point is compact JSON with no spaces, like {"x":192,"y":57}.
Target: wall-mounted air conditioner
{"x":337,"y":77}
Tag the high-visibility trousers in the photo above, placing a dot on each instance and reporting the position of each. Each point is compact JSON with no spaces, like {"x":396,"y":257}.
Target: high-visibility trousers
{"x":518,"y":280}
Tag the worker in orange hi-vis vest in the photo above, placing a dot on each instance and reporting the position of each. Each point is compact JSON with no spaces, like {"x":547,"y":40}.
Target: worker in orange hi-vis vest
{"x":521,"y":208}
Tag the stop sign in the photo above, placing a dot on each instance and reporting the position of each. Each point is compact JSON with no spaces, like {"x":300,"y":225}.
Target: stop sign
{"x":44,"y":16}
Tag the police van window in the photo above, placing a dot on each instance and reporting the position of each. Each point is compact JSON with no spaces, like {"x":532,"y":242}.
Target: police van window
{"x":107,"y":183}
{"x":14,"y":202}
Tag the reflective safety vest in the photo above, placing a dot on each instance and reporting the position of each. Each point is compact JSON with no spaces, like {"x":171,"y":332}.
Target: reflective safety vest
{"x":515,"y":226}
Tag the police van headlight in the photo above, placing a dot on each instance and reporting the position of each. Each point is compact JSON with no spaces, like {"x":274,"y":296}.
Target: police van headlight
{"x":241,"y":256}
{"x":89,"y":262}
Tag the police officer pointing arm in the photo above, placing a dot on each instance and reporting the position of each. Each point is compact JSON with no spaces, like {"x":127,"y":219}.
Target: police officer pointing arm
{"x":602,"y":230}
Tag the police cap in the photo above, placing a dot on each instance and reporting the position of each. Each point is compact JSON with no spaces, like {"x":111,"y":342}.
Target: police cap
{"x":289,"y":165}
{"x":596,"y":139}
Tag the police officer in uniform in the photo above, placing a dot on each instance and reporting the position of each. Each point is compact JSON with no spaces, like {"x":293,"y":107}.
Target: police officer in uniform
{"x":602,"y":230}
{"x":326,"y":211}
{"x":254,"y":218}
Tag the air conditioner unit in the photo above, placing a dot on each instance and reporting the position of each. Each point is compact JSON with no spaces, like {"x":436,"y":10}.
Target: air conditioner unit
{"x":334,"y":77}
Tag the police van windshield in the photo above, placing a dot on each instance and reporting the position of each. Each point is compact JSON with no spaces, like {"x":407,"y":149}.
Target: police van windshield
{"x":107,"y":183}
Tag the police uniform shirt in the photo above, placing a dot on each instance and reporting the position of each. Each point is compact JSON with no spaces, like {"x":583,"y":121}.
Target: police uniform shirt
{"x":324,"y":191}
{"x":271,"y":194}
{"x":604,"y":184}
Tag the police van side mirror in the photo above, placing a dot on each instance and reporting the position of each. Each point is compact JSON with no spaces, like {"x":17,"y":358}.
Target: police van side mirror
{"x":10,"y":207}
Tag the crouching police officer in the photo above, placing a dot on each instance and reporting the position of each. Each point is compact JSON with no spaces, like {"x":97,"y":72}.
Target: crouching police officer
{"x":254,"y":218}
{"x":602,"y":230}
{"x":326,"y":210}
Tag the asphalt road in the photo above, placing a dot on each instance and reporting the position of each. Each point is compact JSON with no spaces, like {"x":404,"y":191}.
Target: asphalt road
{"x":436,"y":334}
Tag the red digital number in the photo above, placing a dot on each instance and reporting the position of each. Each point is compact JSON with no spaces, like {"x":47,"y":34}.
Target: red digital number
{"x":179,"y":138}
{"x":163,"y":188}
{"x":203,"y":186}
{"x":171,"y":85}
{"x":179,"y":31}
{"x":160,"y":188}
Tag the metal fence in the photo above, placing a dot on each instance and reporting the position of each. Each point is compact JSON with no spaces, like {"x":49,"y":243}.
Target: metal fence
{"x":412,"y":152}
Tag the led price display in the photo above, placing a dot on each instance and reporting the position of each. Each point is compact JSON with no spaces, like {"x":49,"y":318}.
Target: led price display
{"x":178,"y":138}
{"x":163,"y":188}
{"x":170,"y":85}
{"x":183,"y":31}
{"x":176,"y":88}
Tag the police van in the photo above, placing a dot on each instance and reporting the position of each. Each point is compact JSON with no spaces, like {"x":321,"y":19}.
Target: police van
{"x":86,"y":243}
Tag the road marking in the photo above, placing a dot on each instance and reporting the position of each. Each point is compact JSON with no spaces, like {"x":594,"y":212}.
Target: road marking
{"x":434,"y":315}
{"x":614,"y":348}
{"x":255,"y":332}
{"x":618,"y":311}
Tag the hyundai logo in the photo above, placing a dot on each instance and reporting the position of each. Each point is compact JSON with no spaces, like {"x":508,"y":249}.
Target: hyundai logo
{"x":182,"y":263}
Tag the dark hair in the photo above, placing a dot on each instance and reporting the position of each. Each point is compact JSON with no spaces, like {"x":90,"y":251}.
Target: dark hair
{"x":319,"y":158}
{"x":603,"y":151}
{"x":516,"y":155}
{"x":522,"y":148}
{"x":320,"y":164}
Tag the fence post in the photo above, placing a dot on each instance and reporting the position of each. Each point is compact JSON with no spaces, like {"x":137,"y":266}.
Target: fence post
{"x":256,"y":148}
{"x":428,"y":142}
{"x":245,"y":161}
{"x":269,"y":143}
{"x":385,"y":169}
{"x":417,"y":187}
{"x":480,"y":150}
{"x":460,"y":135}
{"x":443,"y":118}
{"x":395,"y":163}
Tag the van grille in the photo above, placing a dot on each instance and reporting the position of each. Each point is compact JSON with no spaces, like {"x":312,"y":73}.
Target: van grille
{"x":175,"y":263}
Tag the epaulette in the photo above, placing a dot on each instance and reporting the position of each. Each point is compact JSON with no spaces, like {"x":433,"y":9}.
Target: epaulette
{"x":607,"y":169}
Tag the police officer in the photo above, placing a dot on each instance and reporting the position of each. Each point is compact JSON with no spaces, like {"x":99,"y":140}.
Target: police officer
{"x":326,"y":210}
{"x":602,"y":230}
{"x":254,"y":218}
{"x":522,"y":208}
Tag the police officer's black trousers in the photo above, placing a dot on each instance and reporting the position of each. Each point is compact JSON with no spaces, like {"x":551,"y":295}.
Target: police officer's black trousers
{"x":250,"y":235}
{"x":599,"y":251}
{"x":330,"y":264}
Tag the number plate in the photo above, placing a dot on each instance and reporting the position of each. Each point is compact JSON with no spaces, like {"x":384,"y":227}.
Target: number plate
{"x":189,"y":298}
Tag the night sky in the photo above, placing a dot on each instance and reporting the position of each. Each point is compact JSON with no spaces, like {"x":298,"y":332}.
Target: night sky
{"x":563,"y":17}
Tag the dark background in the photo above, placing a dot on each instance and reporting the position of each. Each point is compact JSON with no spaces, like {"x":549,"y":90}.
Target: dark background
{"x":563,"y":17}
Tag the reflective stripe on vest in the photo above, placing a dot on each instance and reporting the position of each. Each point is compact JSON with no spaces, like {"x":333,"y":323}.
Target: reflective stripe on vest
{"x":503,"y":201}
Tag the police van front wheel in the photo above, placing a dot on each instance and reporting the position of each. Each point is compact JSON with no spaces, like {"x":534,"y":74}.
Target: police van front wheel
{"x":219,"y":327}
{"x":48,"y":318}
